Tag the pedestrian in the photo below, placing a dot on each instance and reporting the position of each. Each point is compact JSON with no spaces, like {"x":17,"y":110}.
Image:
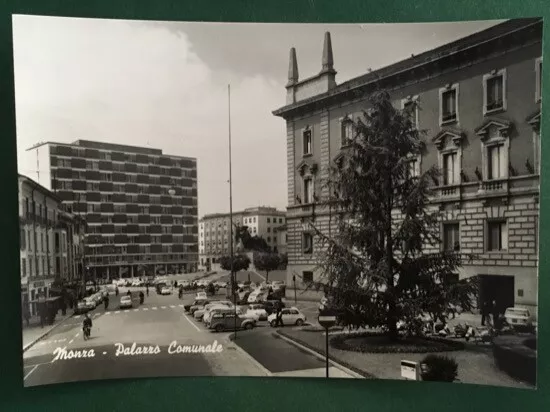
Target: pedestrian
{"x":141,"y":298}
{"x":484,"y":312}
{"x":27,"y":316}
{"x":147,"y":290}
{"x":175,"y":283}
{"x":279,"y":316}
{"x":495,"y":313}
{"x":106,"y":302}
{"x":116,"y":290}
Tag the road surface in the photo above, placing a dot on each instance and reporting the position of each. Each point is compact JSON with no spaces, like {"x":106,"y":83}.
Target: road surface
{"x":64,"y":356}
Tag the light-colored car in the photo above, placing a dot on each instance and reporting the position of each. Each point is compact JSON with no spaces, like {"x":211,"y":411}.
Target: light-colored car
{"x":184,"y":283}
{"x":257,"y":296}
{"x":258,"y":310}
{"x":290,"y":316}
{"x":125,"y":302}
{"x":165,"y":290}
{"x":220,"y":284}
{"x":137,"y":282}
{"x":207,"y":318}
{"x":81,"y":307}
{"x":200,"y":296}
{"x":278,"y":285}
{"x":243,"y":313}
{"x":518,"y":317}
{"x":206,"y":312}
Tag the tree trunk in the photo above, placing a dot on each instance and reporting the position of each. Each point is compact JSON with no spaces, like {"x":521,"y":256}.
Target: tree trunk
{"x":266,"y":276}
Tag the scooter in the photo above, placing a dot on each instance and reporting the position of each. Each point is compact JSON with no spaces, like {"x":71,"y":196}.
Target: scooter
{"x":86,"y":330}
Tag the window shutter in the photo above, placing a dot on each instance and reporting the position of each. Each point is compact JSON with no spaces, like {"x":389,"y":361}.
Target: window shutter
{"x":494,"y":162}
{"x":456,"y":169}
{"x":503,"y":164}
{"x":504,"y":235}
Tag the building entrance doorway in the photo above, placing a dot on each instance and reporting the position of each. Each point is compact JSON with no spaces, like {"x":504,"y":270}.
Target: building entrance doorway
{"x":496,"y":288}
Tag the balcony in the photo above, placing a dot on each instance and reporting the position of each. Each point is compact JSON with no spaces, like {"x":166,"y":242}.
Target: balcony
{"x":494,"y":186}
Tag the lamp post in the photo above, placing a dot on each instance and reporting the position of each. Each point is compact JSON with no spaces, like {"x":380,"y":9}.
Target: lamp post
{"x":233,"y":275}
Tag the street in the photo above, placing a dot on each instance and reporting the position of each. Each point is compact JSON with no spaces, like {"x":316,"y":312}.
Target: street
{"x":158,"y":322}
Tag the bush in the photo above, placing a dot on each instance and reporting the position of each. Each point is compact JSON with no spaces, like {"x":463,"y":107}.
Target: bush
{"x":439,"y":368}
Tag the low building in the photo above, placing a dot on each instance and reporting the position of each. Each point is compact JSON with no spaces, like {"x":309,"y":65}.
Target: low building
{"x":478,"y":101}
{"x":215,"y":232}
{"x":44,"y":240}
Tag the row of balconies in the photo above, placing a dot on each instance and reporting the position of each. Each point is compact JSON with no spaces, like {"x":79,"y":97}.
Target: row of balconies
{"x":140,"y":259}
{"x":140,"y":238}
{"x":79,"y":154}
{"x":447,"y":193}
{"x":133,"y":248}
{"x":168,"y":176}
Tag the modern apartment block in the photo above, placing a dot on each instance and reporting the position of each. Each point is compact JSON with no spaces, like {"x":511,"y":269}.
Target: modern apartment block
{"x":478,"y":100}
{"x":214,"y":232}
{"x":140,"y":205}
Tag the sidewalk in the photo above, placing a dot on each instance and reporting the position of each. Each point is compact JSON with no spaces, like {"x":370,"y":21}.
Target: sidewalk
{"x":33,"y":333}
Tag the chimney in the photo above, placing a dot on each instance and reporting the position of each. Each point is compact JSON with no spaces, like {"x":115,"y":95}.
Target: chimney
{"x":292,"y":68}
{"x":328,"y":59}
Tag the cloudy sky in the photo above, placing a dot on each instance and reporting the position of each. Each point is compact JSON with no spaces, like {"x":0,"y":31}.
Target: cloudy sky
{"x":164,"y":85}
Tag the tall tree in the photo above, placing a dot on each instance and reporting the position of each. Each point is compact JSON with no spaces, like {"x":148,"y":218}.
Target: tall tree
{"x":240,"y":262}
{"x":267,"y":262}
{"x":375,"y":265}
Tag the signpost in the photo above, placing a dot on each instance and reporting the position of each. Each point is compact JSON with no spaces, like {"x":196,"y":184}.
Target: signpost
{"x":295,"y":298}
{"x":327,"y":319}
{"x":410,"y":370}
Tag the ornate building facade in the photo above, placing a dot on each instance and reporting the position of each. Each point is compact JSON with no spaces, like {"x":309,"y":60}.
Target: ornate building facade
{"x":478,"y":101}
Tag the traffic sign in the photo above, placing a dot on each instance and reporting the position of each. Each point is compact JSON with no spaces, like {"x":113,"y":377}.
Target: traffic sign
{"x":327,"y":320}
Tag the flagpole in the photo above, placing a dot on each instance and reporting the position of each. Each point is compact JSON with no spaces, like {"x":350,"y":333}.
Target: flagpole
{"x":233,"y":277}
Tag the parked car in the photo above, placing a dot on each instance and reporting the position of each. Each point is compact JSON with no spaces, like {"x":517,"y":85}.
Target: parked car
{"x":200,"y":295}
{"x":81,"y":308}
{"x":137,"y":282}
{"x":244,"y":313}
{"x":519,"y":318}
{"x":243,"y":298}
{"x":258,"y":310}
{"x":184,"y":283}
{"x":290,"y":316}
{"x":125,"y":302}
{"x":201,"y":313}
{"x":220,"y":284}
{"x":257,"y":297}
{"x":165,"y":290}
{"x":196,"y":302}
{"x":227,"y":321}
{"x":207,"y":318}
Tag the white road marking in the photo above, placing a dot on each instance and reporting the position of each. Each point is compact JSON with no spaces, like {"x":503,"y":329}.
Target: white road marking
{"x":181,"y":306}
{"x":31,"y":371}
{"x":108,"y":313}
{"x":135,"y":310}
{"x":118,"y":311}
{"x":126,"y":311}
{"x":154,"y":308}
{"x":76,"y":317}
{"x":76,"y":336}
{"x":145,"y":308}
{"x":105,"y":353}
{"x":172,"y":306}
{"x":163,"y":307}
{"x":71,"y":341}
{"x":192,"y":324}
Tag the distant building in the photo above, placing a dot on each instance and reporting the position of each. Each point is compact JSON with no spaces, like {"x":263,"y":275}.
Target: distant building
{"x":140,"y":205}
{"x":478,"y":99}
{"x":214,"y":232}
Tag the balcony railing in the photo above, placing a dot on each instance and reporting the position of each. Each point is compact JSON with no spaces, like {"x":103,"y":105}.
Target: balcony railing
{"x":494,"y":185}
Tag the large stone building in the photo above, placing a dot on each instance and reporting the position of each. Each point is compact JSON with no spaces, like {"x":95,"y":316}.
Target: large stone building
{"x":478,"y":99}
{"x":140,"y":205}
{"x":49,"y":242}
{"x":214,"y":232}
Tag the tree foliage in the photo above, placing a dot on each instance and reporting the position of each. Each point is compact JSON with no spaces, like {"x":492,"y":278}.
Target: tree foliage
{"x":267,"y":262}
{"x":384,"y":264}
{"x":249,"y":242}
{"x":240,"y":262}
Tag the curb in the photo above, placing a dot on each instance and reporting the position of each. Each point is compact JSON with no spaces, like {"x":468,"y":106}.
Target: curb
{"x":31,"y":344}
{"x":321,"y":356}
{"x":266,"y":371}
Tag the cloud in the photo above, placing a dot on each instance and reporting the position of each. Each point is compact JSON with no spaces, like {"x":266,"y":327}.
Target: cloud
{"x":130,"y":83}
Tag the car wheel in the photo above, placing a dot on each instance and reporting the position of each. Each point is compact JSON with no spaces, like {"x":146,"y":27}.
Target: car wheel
{"x":299,"y":322}
{"x":273,"y":323}
{"x":249,"y":326}
{"x":219,"y":328}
